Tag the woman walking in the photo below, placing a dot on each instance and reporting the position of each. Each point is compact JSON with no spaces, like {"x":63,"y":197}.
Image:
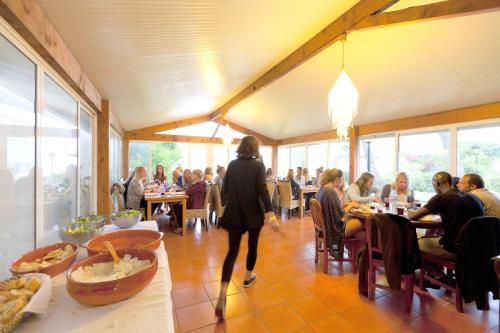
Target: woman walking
{"x":244,"y":193}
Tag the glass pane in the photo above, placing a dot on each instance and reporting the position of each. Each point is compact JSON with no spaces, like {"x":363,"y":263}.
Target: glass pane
{"x":478,"y":151}
{"x":17,"y":155}
{"x":198,"y":156}
{"x":184,"y":152}
{"x":317,"y":155}
{"x":338,"y":157}
{"x":58,"y":158}
{"x":232,"y":152}
{"x":376,"y":155}
{"x":421,"y":156}
{"x":115,"y":157}
{"x":297,"y":157}
{"x":167,"y":154}
{"x":138,"y":155}
{"x":267,"y":156}
{"x":219,"y":156}
{"x":283,"y":161}
{"x":86,"y":154}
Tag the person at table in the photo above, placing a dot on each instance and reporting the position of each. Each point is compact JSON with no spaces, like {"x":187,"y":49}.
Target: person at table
{"x":307,"y":181}
{"x":160,"y":174}
{"x":176,"y":178}
{"x":186,"y":179}
{"x":361,"y":189}
{"x":243,"y":192}
{"x":293,"y":183}
{"x":196,"y":192}
{"x":316,"y":181}
{"x":219,"y":179}
{"x":135,"y":190}
{"x":401,"y":184}
{"x":269,"y":175}
{"x":455,"y":210}
{"x":337,"y":225}
{"x":474,"y":184}
{"x":299,"y":178}
{"x":208,"y":175}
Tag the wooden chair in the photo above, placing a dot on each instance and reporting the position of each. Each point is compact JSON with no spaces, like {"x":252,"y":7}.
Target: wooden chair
{"x":117,"y":197}
{"x":202,"y":213}
{"x":285,"y":197}
{"x":373,"y":263}
{"x":218,"y":209}
{"x":321,"y":240}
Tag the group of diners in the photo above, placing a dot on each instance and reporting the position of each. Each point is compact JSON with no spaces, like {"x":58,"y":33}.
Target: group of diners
{"x":456,"y":202}
{"x":194,"y":183}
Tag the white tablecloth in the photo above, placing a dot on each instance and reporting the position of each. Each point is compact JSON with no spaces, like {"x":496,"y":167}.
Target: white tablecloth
{"x":149,"y":311}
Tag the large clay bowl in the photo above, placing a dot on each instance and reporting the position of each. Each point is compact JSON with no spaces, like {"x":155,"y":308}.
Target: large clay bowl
{"x":108,"y":292}
{"x":40,"y":253}
{"x":125,"y":239}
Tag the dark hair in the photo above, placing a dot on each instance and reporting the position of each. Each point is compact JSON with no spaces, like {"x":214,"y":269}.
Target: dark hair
{"x":248,"y":148}
{"x":443,"y":176}
{"x":475,"y":179}
{"x":269,"y":172}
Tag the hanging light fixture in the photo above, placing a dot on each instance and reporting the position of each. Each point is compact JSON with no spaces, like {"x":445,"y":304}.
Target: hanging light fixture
{"x":343,"y":101}
{"x":227,"y":137}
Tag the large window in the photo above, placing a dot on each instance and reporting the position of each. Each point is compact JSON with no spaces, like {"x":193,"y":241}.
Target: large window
{"x":59,"y":161}
{"x":376,"y":155}
{"x":115,"y":157}
{"x":17,"y":155}
{"x":86,"y":153}
{"x":198,"y":156}
{"x":297,"y":157}
{"x":478,"y":150}
{"x":220,"y":155}
{"x":338,"y":157}
{"x":283,"y":161}
{"x":267,"y":156}
{"x":317,"y":156}
{"x":421,"y":155}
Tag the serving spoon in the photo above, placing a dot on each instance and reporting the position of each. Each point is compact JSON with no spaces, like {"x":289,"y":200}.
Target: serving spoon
{"x":112,"y":251}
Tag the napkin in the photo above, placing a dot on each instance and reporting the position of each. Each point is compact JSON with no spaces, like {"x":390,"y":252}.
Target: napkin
{"x":40,"y":301}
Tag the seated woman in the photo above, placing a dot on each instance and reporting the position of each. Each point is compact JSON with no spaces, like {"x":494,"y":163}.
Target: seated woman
{"x":208,"y":175}
{"x":219,"y":179}
{"x":334,"y":215}
{"x":196,"y":199}
{"x":405,"y":194}
{"x":299,"y":178}
{"x":135,"y":190}
{"x":360,"y":190}
{"x":160,"y":174}
{"x":307,"y":181}
{"x":295,"y":186}
{"x":186,"y":179}
{"x":176,"y":178}
{"x":269,"y":175}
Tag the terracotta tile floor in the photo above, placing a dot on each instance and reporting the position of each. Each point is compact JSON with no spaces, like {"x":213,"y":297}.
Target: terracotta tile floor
{"x":292,"y":294}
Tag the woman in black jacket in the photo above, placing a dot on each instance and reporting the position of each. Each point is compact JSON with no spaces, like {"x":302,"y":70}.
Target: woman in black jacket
{"x":247,"y":203}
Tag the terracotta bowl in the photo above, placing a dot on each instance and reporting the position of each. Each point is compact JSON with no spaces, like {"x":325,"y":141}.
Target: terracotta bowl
{"x":101,"y":293}
{"x":40,"y":253}
{"x":125,"y":239}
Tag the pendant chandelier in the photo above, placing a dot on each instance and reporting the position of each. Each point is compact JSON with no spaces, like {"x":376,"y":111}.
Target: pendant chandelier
{"x":342,"y":102}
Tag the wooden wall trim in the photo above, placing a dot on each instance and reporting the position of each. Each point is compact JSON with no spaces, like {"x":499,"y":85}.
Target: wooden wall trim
{"x":353,"y":153}
{"x":170,"y":125}
{"x":125,"y":158}
{"x":103,"y":199}
{"x":320,"y":41}
{"x":263,"y":139}
{"x":29,"y":20}
{"x":320,"y":136}
{"x":473,"y":113}
{"x":175,"y":138}
{"x":115,"y":124}
{"x":440,"y":10}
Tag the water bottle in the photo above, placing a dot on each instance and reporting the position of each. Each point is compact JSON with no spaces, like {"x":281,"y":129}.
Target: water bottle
{"x":393,"y":200}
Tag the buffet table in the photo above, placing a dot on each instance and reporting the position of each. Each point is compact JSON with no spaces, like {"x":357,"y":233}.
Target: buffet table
{"x":148,"y":311}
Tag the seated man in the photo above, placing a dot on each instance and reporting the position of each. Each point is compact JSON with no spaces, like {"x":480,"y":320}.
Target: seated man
{"x":474,"y":184}
{"x":455,"y":210}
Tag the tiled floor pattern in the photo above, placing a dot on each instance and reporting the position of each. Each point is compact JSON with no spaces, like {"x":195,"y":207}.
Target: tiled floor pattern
{"x":291,"y":293}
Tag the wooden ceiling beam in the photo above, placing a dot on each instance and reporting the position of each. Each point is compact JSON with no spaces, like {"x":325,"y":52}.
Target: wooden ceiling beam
{"x":170,"y":125}
{"x":176,"y":138}
{"x":29,"y":20}
{"x":320,"y":41}
{"x":435,"y":10}
{"x":321,"y":136}
{"x":262,"y":138}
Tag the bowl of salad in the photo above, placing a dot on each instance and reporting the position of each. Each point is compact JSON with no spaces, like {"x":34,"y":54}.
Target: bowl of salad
{"x":82,"y":229}
{"x":125,"y":219}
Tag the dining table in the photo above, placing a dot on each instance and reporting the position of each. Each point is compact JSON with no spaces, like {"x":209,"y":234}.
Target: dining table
{"x":167,"y":197}
{"x":302,"y":191}
{"x":150,"y":310}
{"x":427,"y":222}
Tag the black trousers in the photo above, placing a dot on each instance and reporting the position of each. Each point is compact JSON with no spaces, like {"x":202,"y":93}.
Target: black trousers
{"x":234,"y":247}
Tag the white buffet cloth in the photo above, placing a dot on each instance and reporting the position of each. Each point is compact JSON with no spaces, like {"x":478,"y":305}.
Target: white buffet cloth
{"x":148,"y":311}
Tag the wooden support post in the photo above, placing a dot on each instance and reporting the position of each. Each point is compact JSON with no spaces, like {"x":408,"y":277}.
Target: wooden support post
{"x":125,"y":158}
{"x":353,"y":153}
{"x":103,"y":198}
{"x":275,"y":160}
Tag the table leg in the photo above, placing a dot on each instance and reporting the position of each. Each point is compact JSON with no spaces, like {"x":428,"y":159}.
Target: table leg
{"x":184,"y":222}
{"x":148,"y":211}
{"x":301,"y":204}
